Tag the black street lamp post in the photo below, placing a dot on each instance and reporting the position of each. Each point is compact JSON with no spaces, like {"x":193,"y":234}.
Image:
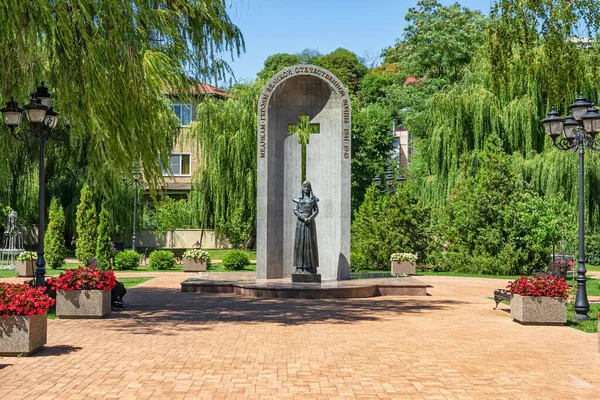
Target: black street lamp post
{"x":577,"y":132}
{"x":42,"y":120}
{"x":388,"y":180}
{"x":136,"y":180}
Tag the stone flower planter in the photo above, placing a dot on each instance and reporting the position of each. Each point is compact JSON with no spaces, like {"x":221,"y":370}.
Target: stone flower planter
{"x":82,"y":303}
{"x":194,"y":264}
{"x":21,"y":335}
{"x":24,"y":268}
{"x":404,"y":267}
{"x":538,"y":310}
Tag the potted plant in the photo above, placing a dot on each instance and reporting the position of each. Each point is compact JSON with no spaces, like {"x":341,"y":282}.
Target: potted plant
{"x":25,"y":264}
{"x":83,"y":292}
{"x":404,"y":263}
{"x":23,"y":322}
{"x":195,"y":260}
{"x":539,"y":300}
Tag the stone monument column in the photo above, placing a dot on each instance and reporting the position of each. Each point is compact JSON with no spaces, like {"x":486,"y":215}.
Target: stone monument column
{"x":303,"y":91}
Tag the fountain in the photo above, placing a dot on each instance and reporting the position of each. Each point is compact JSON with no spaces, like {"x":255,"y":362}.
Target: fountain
{"x":13,"y":242}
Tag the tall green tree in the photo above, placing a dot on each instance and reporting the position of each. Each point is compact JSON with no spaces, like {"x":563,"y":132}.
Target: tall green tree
{"x":54,"y":240}
{"x":345,"y":65}
{"x":226,"y":180}
{"x":372,"y":144}
{"x":527,"y":67}
{"x":86,"y":226}
{"x":275,"y":63}
{"x":110,"y":64}
{"x":494,"y":223}
{"x":104,"y":242}
{"x":374,"y":85}
{"x":387,"y":223}
{"x":438,"y":41}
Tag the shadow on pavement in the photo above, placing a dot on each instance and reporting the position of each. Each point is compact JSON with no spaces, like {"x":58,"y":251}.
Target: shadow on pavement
{"x":56,"y":351}
{"x":148,"y":308}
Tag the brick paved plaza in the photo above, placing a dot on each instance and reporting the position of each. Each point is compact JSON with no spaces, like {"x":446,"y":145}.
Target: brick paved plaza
{"x":173,"y":345}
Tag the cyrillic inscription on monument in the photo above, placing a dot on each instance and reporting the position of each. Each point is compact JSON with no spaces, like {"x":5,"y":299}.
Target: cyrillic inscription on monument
{"x":302,"y":70}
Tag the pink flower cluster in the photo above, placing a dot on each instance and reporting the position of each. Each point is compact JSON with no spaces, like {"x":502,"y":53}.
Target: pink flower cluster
{"x":22,"y":299}
{"x":549,"y":287}
{"x":84,"y":278}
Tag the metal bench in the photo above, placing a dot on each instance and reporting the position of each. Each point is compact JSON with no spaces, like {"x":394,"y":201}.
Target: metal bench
{"x":541,"y":274}
{"x":119,"y":246}
{"x":178,"y":253}
{"x":555,"y":269}
{"x":501,"y":294}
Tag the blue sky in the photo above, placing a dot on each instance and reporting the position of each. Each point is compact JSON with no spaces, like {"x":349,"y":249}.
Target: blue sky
{"x":290,"y":26}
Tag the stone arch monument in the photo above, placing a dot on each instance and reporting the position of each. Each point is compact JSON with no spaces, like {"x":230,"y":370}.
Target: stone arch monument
{"x":309,"y":96}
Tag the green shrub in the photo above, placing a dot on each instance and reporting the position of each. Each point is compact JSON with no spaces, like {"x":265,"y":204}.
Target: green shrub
{"x":54,"y":240}
{"x":387,"y":222}
{"x":592,"y":249}
{"x":162,"y":259}
{"x":127,"y":259}
{"x":235,"y":260}
{"x":358,"y":262}
{"x":104,"y":244}
{"x":86,"y":226}
{"x":237,"y":230}
{"x":494,"y":223}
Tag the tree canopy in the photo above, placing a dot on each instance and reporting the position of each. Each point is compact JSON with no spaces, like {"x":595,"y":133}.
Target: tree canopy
{"x":345,"y":65}
{"x":341,"y":62}
{"x":438,"y":41}
{"x":110,"y":64}
{"x":226,"y":179}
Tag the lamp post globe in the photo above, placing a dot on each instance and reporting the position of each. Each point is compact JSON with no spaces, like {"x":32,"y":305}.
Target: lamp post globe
{"x":591,"y":121}
{"x":12,"y":114}
{"x":377,"y":181}
{"x":43,"y":95}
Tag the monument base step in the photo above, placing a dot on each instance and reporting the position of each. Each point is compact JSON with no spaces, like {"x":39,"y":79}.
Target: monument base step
{"x":306,"y":278}
{"x":245,"y":285}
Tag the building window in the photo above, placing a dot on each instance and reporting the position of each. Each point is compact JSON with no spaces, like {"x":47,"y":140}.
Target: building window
{"x":179,"y":164}
{"x":184,"y":112}
{"x":396,"y":150}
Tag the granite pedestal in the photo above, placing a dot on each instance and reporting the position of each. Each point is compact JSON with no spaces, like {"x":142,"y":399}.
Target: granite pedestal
{"x":306,"y":278}
{"x":286,"y":289}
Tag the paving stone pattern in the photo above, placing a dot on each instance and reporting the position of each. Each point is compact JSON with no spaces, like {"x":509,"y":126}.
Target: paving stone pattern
{"x":173,"y":345}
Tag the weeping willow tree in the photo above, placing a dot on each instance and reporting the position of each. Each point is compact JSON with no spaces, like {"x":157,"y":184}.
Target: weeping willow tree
{"x":225,"y":182}
{"x":110,"y":63}
{"x":533,"y":61}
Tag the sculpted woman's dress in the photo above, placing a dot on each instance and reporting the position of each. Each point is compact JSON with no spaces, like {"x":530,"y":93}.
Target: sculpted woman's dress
{"x":306,"y":253}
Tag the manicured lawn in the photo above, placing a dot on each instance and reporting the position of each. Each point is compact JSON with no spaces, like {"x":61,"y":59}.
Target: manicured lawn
{"x":466,"y":275}
{"x":218,"y":254}
{"x":10,"y":273}
{"x":218,"y":267}
{"x":586,"y":326}
{"x":54,"y":272}
{"x":592,"y":286}
{"x":131,"y":282}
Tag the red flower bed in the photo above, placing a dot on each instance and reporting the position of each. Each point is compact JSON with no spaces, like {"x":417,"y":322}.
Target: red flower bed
{"x":22,"y":299}
{"x":549,"y":287}
{"x":84,"y":279}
